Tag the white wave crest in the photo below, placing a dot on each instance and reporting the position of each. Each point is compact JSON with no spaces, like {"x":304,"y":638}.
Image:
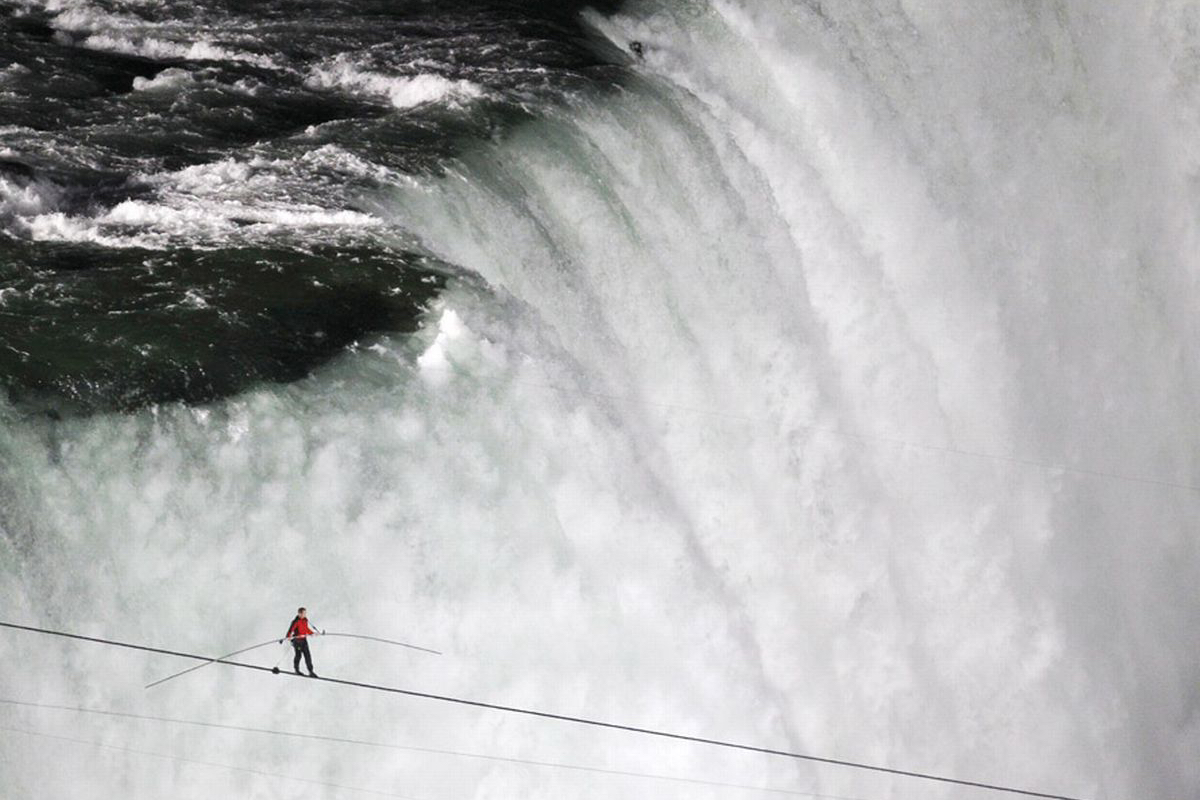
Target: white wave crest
{"x":19,"y":198}
{"x":60,"y":227}
{"x":81,"y":18}
{"x":137,"y":223}
{"x":225,"y":215}
{"x":403,"y":91}
{"x":151,"y":47}
{"x":213,"y":177}
{"x":169,"y":80}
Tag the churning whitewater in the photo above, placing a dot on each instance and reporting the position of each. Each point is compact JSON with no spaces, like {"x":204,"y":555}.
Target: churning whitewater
{"x":817,"y":376}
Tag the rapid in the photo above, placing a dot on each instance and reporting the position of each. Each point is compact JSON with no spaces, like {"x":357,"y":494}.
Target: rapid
{"x":823,"y":377}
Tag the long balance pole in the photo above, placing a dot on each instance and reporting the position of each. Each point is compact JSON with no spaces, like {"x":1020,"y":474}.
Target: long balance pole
{"x":219,"y":659}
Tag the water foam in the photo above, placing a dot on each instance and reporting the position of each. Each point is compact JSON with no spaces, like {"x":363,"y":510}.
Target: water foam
{"x":171,"y":79}
{"x":207,"y":203}
{"x":25,"y":197}
{"x":157,"y":48}
{"x":714,"y":450}
{"x":402,"y":91}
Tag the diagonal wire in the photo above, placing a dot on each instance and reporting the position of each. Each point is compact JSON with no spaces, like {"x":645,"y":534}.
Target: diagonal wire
{"x":209,"y":662}
{"x":926,"y":776}
{"x":220,"y":659}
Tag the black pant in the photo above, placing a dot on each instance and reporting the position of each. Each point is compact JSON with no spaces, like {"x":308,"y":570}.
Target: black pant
{"x":301,"y":646}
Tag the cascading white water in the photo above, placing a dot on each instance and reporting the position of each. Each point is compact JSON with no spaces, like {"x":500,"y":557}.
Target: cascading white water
{"x":749,"y":431}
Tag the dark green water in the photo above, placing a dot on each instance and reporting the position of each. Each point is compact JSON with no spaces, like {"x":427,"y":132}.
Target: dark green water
{"x":181,"y":185}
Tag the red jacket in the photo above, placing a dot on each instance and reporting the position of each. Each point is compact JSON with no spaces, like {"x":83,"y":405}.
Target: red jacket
{"x":299,"y":628}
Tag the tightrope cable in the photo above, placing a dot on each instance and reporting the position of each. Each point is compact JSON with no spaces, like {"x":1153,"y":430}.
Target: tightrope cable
{"x":210,"y":661}
{"x":576,"y":720}
{"x":221,"y":659}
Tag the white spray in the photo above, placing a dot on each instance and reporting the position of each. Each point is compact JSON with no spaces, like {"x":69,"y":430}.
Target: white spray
{"x":752,"y":433}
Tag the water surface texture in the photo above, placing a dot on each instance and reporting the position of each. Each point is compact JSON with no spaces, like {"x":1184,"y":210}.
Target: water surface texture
{"x":819,"y":376}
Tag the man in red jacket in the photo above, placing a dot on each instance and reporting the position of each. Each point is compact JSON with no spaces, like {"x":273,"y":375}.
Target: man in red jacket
{"x":299,"y":632}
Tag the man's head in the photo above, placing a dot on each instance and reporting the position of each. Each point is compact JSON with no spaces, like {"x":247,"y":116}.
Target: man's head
{"x":302,"y":612}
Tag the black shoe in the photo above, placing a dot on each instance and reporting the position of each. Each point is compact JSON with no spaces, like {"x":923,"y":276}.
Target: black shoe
{"x":298,"y":672}
{"x":312,"y":675}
